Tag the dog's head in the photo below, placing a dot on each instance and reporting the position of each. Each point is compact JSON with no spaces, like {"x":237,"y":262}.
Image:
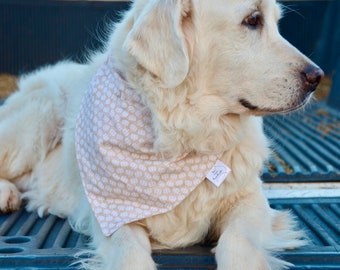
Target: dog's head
{"x":209,"y":59}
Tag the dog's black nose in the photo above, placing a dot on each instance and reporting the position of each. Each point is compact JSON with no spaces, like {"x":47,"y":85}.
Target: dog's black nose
{"x":312,"y":76}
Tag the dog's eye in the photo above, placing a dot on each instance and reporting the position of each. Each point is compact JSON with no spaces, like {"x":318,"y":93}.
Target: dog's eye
{"x":253,"y":21}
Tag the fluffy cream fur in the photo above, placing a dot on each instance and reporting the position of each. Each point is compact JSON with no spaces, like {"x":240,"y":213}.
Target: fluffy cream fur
{"x":207,"y":70}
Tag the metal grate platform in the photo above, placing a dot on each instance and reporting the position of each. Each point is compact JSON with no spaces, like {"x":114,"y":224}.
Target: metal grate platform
{"x":30,"y":242}
{"x":306,"y":145}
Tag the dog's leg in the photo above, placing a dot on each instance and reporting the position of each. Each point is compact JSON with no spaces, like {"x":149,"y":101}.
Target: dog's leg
{"x":29,"y":127}
{"x":50,"y":189}
{"x":9,"y":196}
{"x":30,"y":122}
{"x":128,"y":248}
{"x":246,"y":232}
{"x":17,"y":143}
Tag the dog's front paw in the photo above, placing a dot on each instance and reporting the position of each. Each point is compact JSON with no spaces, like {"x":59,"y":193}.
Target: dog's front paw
{"x":9,"y":197}
{"x":136,"y":259}
{"x":145,"y":264}
{"x":238,"y":252}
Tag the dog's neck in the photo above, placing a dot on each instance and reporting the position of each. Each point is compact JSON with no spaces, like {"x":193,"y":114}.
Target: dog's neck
{"x":178,"y":122}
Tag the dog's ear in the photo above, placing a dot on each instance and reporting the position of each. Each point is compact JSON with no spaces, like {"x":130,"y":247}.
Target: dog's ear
{"x":157,"y":40}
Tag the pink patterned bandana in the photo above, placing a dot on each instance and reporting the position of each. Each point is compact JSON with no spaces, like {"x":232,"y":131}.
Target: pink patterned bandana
{"x":123,"y":177}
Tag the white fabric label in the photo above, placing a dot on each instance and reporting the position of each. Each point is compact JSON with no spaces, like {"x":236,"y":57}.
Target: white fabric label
{"x":218,"y":173}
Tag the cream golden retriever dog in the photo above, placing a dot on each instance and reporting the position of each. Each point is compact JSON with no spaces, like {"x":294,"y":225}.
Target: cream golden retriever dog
{"x":203,"y":73}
